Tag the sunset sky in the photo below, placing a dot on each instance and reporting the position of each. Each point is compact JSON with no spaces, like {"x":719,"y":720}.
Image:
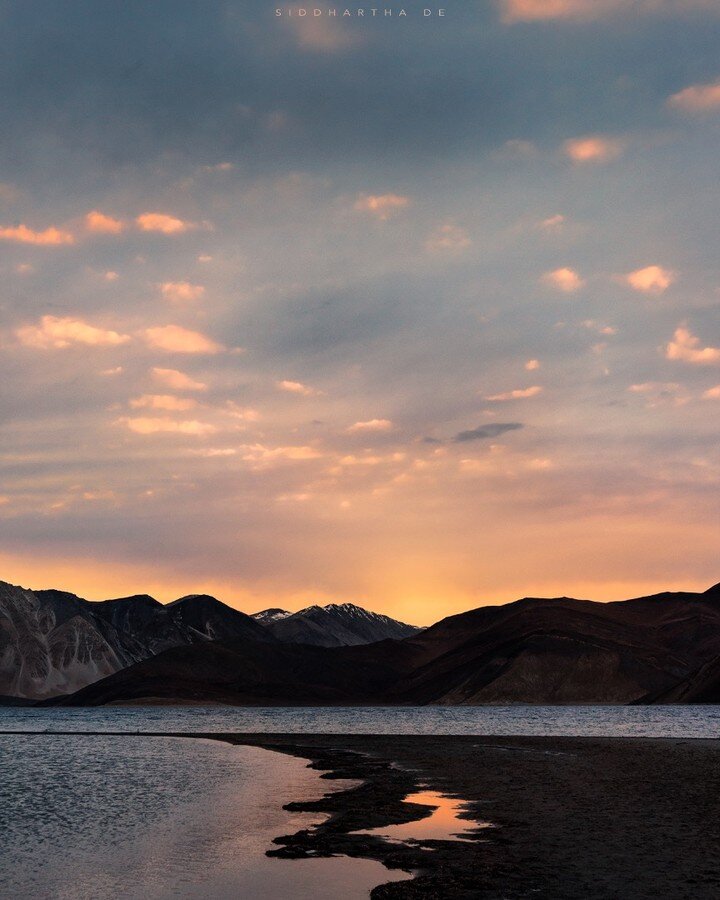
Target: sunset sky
{"x":420,"y":313}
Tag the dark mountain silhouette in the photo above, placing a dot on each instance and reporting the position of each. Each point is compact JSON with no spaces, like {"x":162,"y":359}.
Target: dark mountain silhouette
{"x":53,"y":642}
{"x":532,"y":651}
{"x":334,"y":625}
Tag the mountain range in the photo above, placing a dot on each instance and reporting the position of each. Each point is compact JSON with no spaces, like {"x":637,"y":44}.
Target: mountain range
{"x":334,"y":625}
{"x":54,"y":642}
{"x":664,"y":648}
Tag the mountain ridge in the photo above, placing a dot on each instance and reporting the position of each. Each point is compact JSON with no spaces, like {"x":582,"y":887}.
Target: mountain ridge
{"x":535,"y":650}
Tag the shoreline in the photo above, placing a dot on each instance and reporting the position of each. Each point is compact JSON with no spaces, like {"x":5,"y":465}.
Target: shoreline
{"x":573,"y":817}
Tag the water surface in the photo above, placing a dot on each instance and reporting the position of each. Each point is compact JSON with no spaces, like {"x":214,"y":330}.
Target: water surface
{"x":95,"y":818}
{"x":597,"y":721}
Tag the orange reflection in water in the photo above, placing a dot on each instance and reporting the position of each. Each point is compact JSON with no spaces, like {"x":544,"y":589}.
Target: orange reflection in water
{"x":443,"y":824}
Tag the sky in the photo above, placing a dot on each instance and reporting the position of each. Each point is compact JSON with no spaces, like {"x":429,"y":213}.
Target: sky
{"x":416,"y":312}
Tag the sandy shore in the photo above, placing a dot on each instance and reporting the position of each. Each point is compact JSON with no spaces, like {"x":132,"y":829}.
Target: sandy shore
{"x":574,"y":817}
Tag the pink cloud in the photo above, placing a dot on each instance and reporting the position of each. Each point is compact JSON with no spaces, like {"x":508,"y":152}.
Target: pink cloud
{"x":164,"y":402}
{"x":596,"y":148}
{"x":698,"y":98}
{"x":98,"y":223}
{"x":371,"y":425}
{"x":50,"y":237}
{"x":519,"y":394}
{"x":58,"y":333}
{"x":382,"y":206}
{"x":182,"y":291}
{"x":175,"y":339}
{"x":177,"y":381}
{"x":686,"y":347}
{"x":163,"y":223}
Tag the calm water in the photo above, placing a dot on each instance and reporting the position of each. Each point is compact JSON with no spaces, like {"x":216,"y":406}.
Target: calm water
{"x":630,"y":721}
{"x":93,"y":818}
{"x":194,"y":818}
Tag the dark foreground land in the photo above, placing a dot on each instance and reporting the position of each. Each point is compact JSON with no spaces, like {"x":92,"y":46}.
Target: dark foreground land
{"x":578,"y":818}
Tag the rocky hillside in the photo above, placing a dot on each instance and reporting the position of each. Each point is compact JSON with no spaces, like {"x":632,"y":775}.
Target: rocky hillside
{"x":53,"y":642}
{"x":334,"y":625}
{"x":542,"y":651}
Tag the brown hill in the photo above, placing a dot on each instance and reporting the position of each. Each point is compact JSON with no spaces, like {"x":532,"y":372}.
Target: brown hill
{"x":533,"y":651}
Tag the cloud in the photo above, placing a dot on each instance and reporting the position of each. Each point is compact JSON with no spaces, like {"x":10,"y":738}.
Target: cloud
{"x":712,"y":393}
{"x":164,"y":402}
{"x":593,"y":325}
{"x":296,"y":387}
{"x":698,"y":98}
{"x":382,"y":206}
{"x":483,"y":432}
{"x":58,"y":333}
{"x":595,"y":148}
{"x":371,"y":425}
{"x":50,"y":237}
{"x":177,"y":381}
{"x":513,"y":11}
{"x":532,"y":364}
{"x":219,"y":167}
{"x":163,"y":223}
{"x":650,"y":280}
{"x":98,"y":223}
{"x":448,"y":238}
{"x":142,"y":425}
{"x":566,"y":280}
{"x":175,"y":339}
{"x":519,"y":394}
{"x":552,"y":223}
{"x":182,"y":291}
{"x":650,"y":387}
{"x":262,"y":455}
{"x":320,"y":34}
{"x":685,"y":347}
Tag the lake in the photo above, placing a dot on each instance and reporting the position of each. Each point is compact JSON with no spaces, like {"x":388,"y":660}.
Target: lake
{"x":195,"y":818}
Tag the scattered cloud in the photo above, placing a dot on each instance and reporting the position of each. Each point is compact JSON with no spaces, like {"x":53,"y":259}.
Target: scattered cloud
{"x":382,"y":206}
{"x":532,"y":364}
{"x":595,"y":148}
{"x":686,"y":347}
{"x":142,"y":425}
{"x":651,"y":387}
{"x":514,"y":11}
{"x":163,"y":223}
{"x":182,"y":291}
{"x":219,"y":167}
{"x":99,"y":223}
{"x":175,"y":339}
{"x":566,"y":280}
{"x":296,"y":387}
{"x":53,"y":332}
{"x":650,"y":280}
{"x":519,"y":394}
{"x":712,"y":393}
{"x":177,"y":381}
{"x":553,"y":223}
{"x":483,"y":432}
{"x":448,"y":238}
{"x":49,"y":237}
{"x":371,"y":425}
{"x":599,"y":327}
{"x":697,"y":99}
{"x":163,"y":401}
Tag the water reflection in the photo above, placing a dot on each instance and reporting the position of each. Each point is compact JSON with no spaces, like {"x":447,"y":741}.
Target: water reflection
{"x":443,"y":824}
{"x":94,"y":818}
